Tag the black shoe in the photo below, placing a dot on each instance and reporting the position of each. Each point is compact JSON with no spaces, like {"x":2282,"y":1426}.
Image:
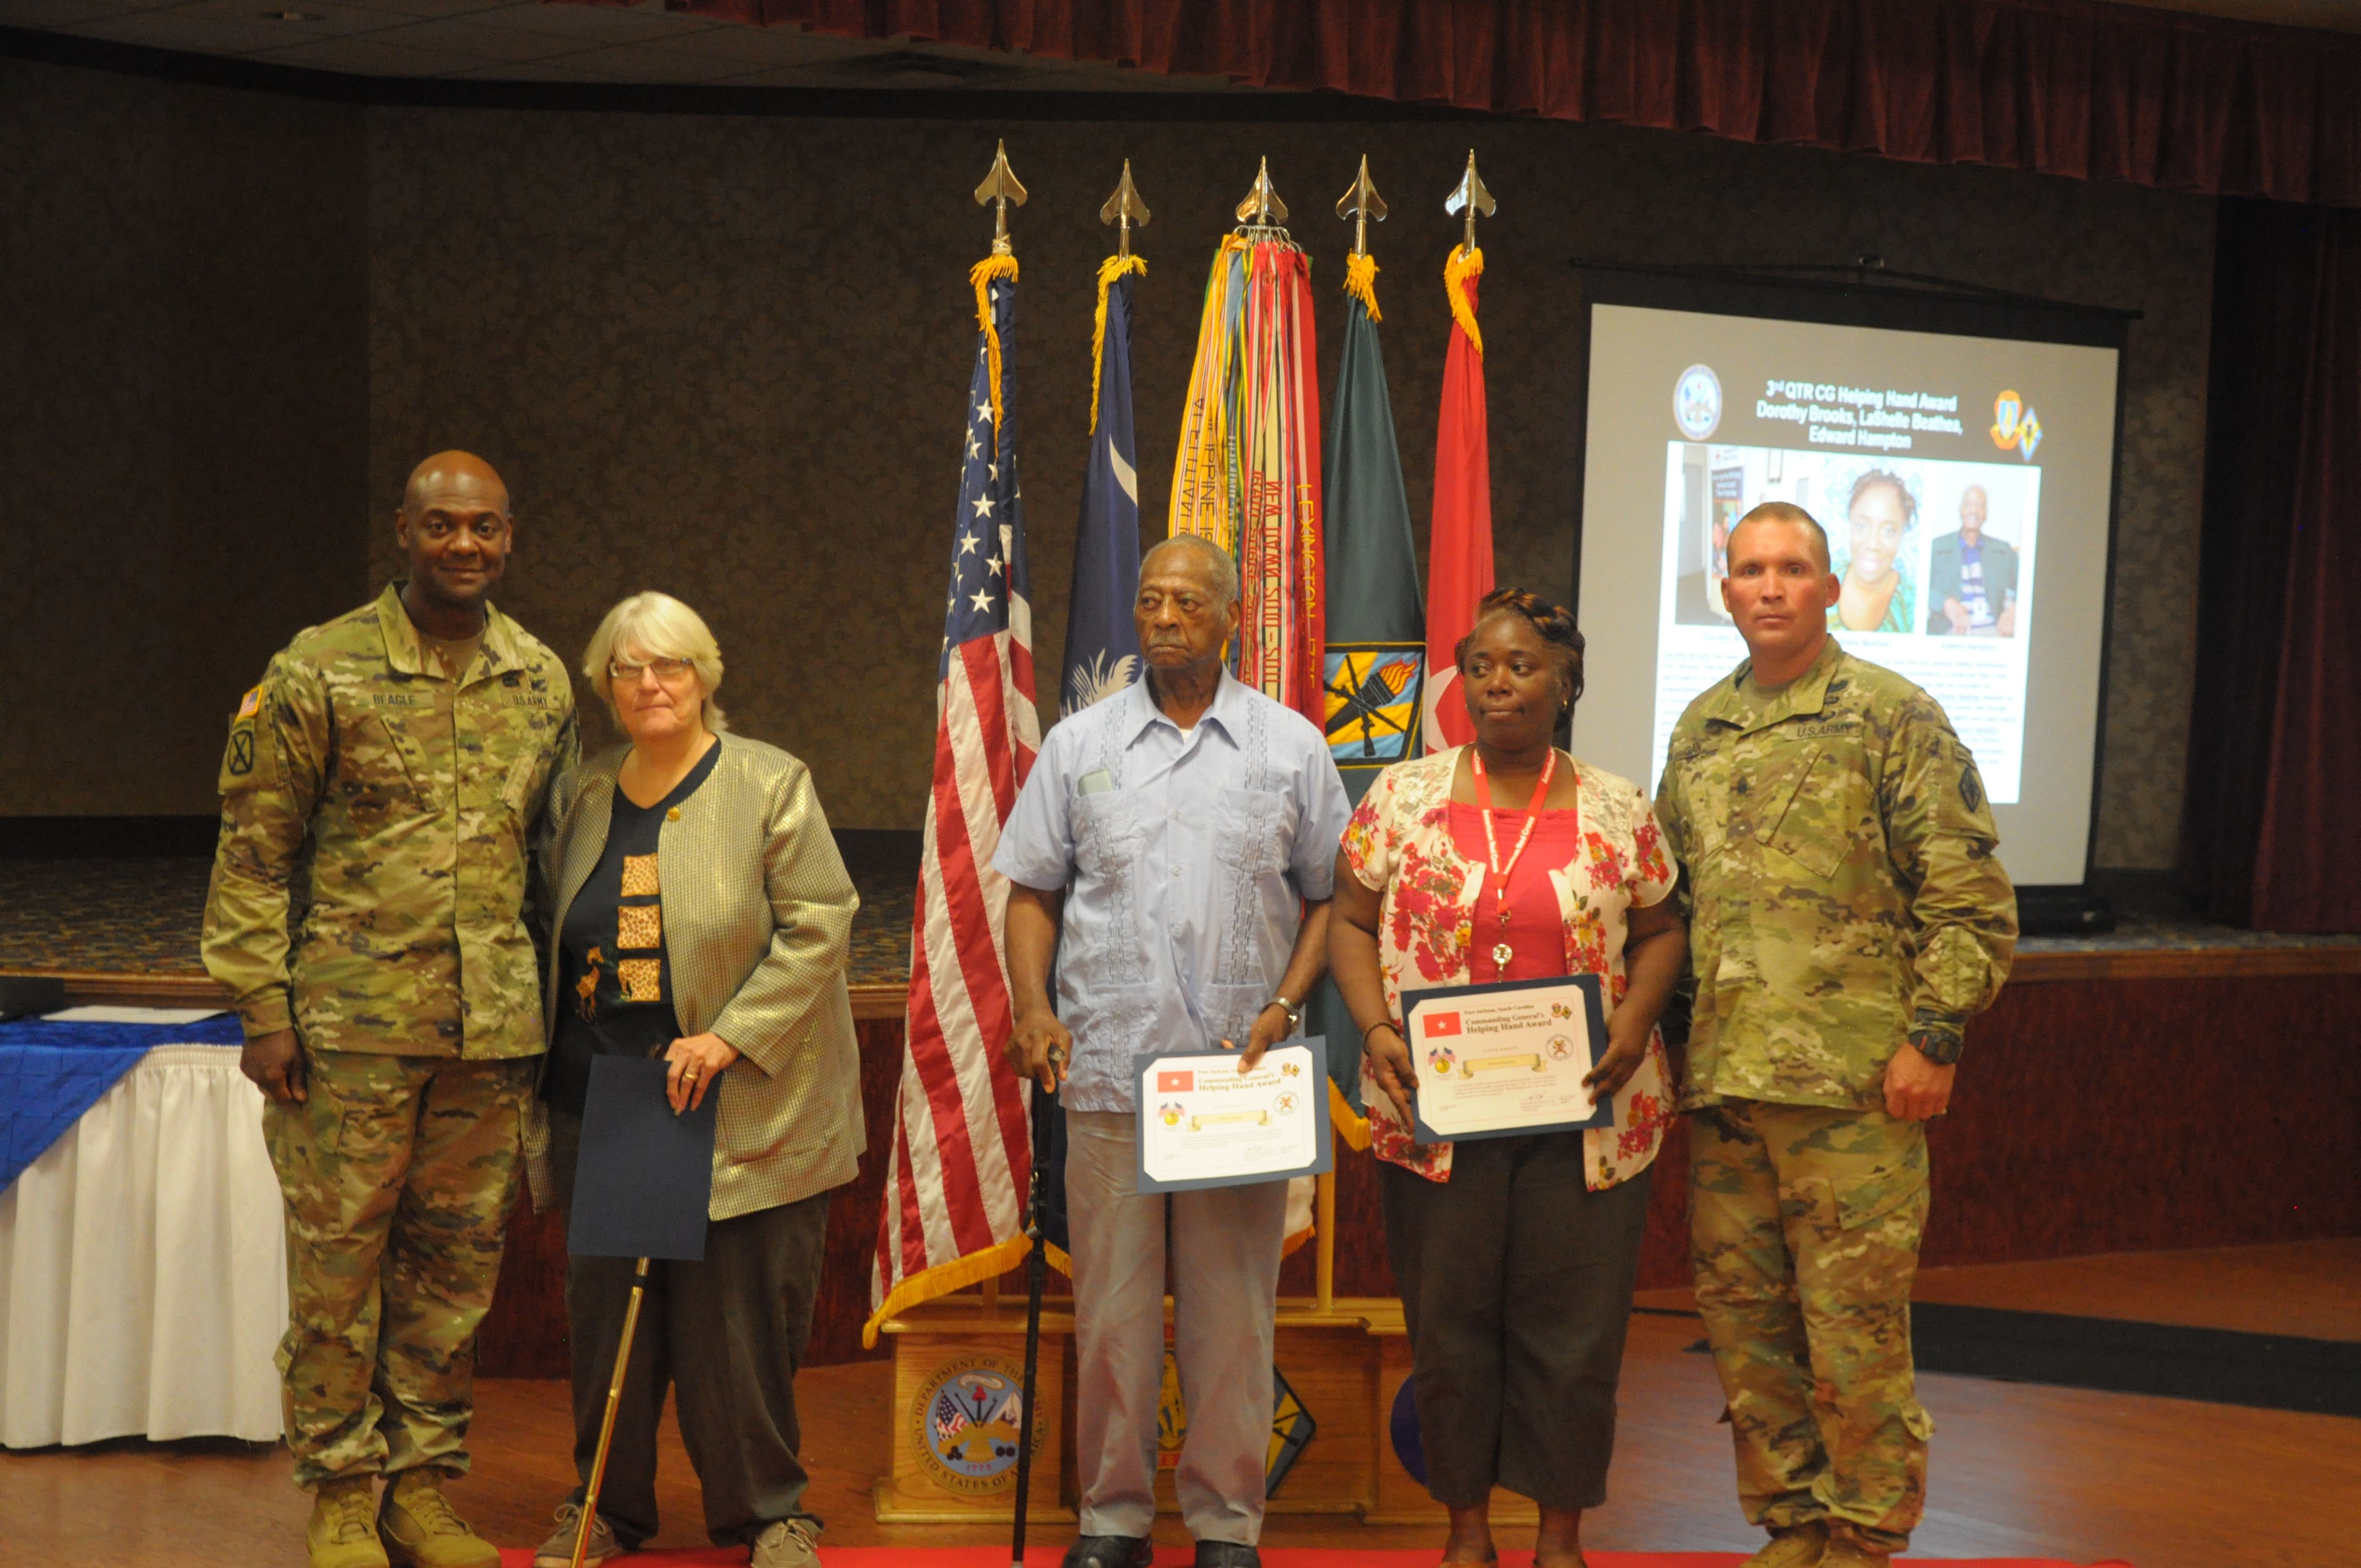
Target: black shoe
{"x":1110,"y":1551}
{"x":1227,"y":1554}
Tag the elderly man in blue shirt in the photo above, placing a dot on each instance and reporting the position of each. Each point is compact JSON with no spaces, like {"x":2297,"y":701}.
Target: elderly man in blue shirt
{"x":1183,"y":832}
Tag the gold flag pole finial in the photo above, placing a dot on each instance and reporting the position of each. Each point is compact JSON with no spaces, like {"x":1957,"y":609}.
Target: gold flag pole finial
{"x":1262,"y":208}
{"x":1000,"y":187}
{"x":1362,"y":203}
{"x":1470,"y":196}
{"x":1124,"y":209}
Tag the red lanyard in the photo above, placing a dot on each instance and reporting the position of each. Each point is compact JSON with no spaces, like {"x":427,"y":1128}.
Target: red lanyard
{"x":1501,"y":951}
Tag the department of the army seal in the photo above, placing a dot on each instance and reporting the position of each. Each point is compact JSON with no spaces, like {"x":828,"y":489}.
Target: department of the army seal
{"x":969,"y":1416}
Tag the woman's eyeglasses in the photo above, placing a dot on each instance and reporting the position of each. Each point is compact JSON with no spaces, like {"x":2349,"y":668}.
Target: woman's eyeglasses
{"x":624,"y":672}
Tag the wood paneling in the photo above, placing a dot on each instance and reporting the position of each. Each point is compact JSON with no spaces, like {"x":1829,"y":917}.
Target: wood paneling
{"x":2093,"y":1117}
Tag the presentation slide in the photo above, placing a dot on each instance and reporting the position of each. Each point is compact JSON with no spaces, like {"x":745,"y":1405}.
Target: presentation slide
{"x":1964,"y":482}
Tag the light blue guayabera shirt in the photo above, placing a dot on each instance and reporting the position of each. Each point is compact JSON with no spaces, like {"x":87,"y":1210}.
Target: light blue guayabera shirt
{"x":1184,"y":858}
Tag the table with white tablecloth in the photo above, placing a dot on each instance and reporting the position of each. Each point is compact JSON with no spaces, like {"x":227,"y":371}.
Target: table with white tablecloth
{"x":143,"y":1275}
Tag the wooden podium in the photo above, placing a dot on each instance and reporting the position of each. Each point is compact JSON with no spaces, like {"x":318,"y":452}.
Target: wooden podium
{"x":954,"y":1460}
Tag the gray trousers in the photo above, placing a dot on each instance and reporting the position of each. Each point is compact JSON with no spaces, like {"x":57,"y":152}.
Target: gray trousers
{"x":726,"y":1334}
{"x":1226,"y":1246}
{"x":1516,"y":1287}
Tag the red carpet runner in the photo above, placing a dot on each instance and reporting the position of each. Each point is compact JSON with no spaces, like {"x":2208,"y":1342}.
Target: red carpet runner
{"x":1273,"y":1557}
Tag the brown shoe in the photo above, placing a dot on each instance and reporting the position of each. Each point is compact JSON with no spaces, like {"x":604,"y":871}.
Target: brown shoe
{"x":557,"y":1551}
{"x":343,"y":1531}
{"x":421,"y":1531}
{"x":790,"y":1543}
{"x":1800,"y":1546}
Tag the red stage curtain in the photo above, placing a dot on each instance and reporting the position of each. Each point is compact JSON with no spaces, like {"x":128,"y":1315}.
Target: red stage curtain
{"x":2270,"y":831}
{"x":2064,"y":87}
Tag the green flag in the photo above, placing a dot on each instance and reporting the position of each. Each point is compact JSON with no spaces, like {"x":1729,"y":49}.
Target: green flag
{"x":1376,"y":653}
{"x":1377,"y":629}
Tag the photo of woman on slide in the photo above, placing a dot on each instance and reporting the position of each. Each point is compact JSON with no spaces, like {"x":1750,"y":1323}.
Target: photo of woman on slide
{"x":1878,"y":591}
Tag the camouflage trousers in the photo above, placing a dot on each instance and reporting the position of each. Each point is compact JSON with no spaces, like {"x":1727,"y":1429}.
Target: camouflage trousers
{"x":1804,"y":1230}
{"x":397,"y":1174}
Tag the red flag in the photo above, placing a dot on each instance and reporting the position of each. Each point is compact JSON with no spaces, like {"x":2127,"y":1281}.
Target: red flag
{"x":1459,"y":548}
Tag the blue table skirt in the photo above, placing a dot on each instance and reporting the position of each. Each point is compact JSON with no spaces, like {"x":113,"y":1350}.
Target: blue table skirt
{"x":52,"y":1073}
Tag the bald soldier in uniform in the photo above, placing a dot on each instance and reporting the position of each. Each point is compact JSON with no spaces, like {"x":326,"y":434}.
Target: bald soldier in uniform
{"x":394,"y":761}
{"x":1847,"y":918}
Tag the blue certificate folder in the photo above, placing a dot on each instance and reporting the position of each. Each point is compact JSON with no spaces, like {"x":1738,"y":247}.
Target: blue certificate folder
{"x":1582,"y":991}
{"x":646,"y":1175}
{"x":1323,"y":1142}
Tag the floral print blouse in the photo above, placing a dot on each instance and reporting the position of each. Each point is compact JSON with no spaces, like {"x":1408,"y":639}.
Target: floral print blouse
{"x":1399,"y":844}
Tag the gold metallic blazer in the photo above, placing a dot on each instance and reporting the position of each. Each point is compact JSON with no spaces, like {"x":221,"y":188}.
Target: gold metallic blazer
{"x":758,"y":926}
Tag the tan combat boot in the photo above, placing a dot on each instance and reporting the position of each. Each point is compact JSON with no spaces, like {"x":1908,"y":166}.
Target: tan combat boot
{"x":1802,"y":1546}
{"x":789,"y":1543}
{"x":421,"y":1530}
{"x":343,"y":1531}
{"x":1848,"y":1549}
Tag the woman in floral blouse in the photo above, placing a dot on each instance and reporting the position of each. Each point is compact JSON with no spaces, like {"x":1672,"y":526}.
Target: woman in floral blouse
{"x":1515,"y":1256}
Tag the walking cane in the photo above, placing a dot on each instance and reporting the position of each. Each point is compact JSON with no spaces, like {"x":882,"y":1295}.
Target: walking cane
{"x":615,"y":1397}
{"x":1037,"y":1272}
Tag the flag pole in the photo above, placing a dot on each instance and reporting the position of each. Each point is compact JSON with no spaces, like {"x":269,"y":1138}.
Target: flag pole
{"x":1000,"y":187}
{"x":1362,"y":205}
{"x":607,"y":1424}
{"x":1037,"y":1274}
{"x":1471,"y":197}
{"x":1124,"y":209}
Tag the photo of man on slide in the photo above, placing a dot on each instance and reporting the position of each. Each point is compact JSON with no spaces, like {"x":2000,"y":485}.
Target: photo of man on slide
{"x":1971,"y":576}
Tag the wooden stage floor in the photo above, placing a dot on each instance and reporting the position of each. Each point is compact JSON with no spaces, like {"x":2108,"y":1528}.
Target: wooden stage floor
{"x":2019,"y":1470}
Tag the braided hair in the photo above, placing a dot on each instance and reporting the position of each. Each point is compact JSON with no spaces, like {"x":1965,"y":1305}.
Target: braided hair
{"x":1554,"y":623}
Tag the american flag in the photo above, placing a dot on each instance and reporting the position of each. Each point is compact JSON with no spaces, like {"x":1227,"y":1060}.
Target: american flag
{"x":962,"y":1156}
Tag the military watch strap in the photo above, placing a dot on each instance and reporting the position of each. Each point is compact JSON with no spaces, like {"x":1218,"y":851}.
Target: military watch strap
{"x":1938,"y":1043}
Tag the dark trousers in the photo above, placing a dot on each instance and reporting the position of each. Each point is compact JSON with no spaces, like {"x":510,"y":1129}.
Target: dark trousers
{"x":727,"y":1336}
{"x":1516,"y":1287}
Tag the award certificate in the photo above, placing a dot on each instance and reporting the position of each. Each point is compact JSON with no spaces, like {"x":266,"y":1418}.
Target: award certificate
{"x":1204,"y":1123}
{"x":1496,"y":1060}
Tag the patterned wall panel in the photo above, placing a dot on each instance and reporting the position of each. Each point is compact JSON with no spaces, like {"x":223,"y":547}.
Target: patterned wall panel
{"x":182,"y":420}
{"x":727,"y":357}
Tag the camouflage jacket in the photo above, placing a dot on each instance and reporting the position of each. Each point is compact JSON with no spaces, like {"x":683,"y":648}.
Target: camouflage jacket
{"x":1836,"y":857}
{"x":408,"y":804}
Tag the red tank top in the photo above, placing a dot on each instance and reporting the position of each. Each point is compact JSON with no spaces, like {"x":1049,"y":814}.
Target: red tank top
{"x":1535,"y":929}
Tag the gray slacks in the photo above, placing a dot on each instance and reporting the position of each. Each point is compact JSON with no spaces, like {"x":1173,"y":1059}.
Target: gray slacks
{"x":1225,"y":1248}
{"x":726,"y":1334}
{"x":1516,"y":1287}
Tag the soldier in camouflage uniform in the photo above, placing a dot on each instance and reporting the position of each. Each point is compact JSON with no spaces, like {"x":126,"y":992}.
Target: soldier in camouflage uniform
{"x":394,"y":763}
{"x":1848,"y":916}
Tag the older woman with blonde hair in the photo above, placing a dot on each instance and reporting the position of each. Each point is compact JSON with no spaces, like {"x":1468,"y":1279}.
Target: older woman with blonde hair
{"x":702,"y":914}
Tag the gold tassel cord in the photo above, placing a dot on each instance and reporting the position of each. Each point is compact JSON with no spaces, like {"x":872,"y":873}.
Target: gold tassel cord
{"x":982,"y":275}
{"x":958,"y":1275}
{"x":1350,"y":1123}
{"x":1112,"y":267}
{"x":1361,"y":282}
{"x":1466,"y":262}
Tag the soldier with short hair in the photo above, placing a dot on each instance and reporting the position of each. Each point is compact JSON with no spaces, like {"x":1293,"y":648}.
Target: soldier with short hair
{"x":1848,"y":917}
{"x":394,"y":762}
